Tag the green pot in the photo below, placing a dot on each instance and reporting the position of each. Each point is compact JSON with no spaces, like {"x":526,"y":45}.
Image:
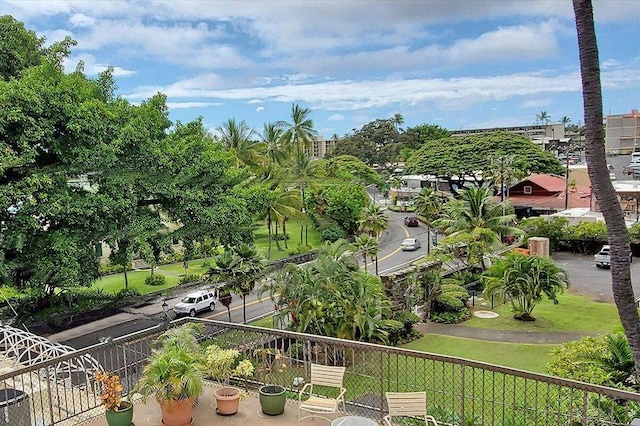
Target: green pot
{"x":122,"y":417}
{"x":272,"y":399}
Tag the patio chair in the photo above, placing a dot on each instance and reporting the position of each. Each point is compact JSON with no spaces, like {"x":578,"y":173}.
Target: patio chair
{"x":408,"y":404}
{"x":321,"y":406}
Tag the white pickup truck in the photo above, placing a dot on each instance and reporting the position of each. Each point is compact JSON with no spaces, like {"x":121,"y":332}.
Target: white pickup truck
{"x":603,"y":258}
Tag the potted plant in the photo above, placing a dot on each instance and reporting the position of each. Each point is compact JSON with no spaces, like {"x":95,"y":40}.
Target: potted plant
{"x":273,"y":397}
{"x":118,"y":411}
{"x":174,"y":374}
{"x":221,"y":365}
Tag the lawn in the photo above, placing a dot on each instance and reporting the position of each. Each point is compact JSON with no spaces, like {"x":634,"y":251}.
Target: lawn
{"x":310,"y":235}
{"x":573,"y":313}
{"x":521,"y":356}
{"x":172,"y":272}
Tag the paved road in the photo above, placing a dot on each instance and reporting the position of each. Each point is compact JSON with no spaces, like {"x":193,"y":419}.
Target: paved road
{"x":589,"y":280}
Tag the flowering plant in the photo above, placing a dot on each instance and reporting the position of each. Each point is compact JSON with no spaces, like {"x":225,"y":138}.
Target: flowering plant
{"x":111,"y":396}
{"x":271,"y":360}
{"x":222,"y":364}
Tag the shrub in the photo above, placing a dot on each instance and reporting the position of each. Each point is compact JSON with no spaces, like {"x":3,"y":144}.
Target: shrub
{"x":394,"y":330}
{"x":109,"y":268}
{"x":127,"y":293}
{"x":408,"y":320}
{"x":450,"y":317}
{"x":155,"y":280}
{"x":189,"y":278}
{"x":300,"y":250}
{"x":333,"y":233}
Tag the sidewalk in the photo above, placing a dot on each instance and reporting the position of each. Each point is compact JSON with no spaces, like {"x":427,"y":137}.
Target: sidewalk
{"x":508,"y":336}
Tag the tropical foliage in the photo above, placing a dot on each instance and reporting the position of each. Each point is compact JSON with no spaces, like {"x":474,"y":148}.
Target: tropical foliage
{"x":523,"y":281}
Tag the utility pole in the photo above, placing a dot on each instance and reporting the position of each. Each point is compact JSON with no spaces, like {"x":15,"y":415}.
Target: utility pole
{"x":502,"y":179}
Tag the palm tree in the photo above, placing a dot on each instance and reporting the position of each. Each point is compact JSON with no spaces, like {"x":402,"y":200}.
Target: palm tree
{"x":543,"y":117}
{"x":476,"y":209}
{"x":565,"y":120}
{"x":523,"y":280}
{"x":428,"y":205}
{"x":373,"y":220}
{"x":273,"y":138}
{"x":251,"y":267}
{"x":300,"y":132}
{"x":236,"y":136}
{"x":284,"y":205}
{"x":365,"y":244}
{"x":599,"y":175}
{"x":305,"y":172}
{"x":398,"y":120}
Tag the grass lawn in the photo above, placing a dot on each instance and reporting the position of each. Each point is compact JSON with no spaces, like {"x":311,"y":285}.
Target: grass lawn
{"x":573,"y":313}
{"x":521,"y":356}
{"x":293,"y":231}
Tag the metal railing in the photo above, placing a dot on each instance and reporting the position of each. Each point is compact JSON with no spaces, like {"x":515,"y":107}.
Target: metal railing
{"x":459,"y":391}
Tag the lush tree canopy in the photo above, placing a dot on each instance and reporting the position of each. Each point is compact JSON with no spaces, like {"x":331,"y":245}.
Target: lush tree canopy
{"x":465,"y":156}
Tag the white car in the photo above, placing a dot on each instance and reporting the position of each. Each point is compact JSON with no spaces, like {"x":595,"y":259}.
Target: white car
{"x":196,"y":302}
{"x":409,"y":244}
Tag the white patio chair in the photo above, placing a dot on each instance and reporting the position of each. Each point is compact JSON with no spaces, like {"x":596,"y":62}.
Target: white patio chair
{"x":408,"y":404}
{"x":321,"y":406}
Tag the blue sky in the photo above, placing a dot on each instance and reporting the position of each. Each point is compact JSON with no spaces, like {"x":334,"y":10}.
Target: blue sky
{"x":456,"y":63}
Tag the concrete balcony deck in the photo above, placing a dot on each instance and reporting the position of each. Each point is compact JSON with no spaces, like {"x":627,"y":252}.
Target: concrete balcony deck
{"x":249,"y":414}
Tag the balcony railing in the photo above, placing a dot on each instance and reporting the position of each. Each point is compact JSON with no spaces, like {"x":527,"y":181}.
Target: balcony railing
{"x":459,"y":391}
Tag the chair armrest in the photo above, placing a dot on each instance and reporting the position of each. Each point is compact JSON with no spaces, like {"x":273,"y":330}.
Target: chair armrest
{"x":342,"y":392}
{"x":387,"y":420}
{"x":307,"y":385}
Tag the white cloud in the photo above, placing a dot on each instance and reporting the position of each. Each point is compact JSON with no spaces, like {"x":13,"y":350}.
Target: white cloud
{"x":82,"y":20}
{"x":260,"y":109}
{"x":93,"y":67}
{"x":254,"y":101}
{"x":536,"y":103}
{"x":450,"y":94}
{"x":336,"y":117}
{"x":187,"y":105}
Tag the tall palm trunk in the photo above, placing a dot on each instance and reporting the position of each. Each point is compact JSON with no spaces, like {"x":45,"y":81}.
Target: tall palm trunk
{"x":277,"y":241}
{"x":284,"y":233}
{"x":599,"y":175}
{"x":269,"y":233}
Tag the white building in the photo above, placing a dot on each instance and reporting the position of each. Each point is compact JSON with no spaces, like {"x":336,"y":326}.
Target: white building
{"x":622,"y":132}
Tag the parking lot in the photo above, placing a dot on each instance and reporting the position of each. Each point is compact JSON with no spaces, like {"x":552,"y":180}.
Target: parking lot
{"x":591,"y":281}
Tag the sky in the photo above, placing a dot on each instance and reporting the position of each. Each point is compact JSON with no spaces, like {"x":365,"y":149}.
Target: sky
{"x":456,"y":63}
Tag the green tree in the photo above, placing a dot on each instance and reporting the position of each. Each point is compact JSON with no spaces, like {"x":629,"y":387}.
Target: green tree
{"x":428,"y":205}
{"x":19,"y":48}
{"x":599,"y":174}
{"x":299,"y":133}
{"x":373,"y":220}
{"x":523,"y":281}
{"x":459,"y":158}
{"x":543,"y":117}
{"x":367,"y":246}
{"x":236,"y":136}
{"x":476,"y":209}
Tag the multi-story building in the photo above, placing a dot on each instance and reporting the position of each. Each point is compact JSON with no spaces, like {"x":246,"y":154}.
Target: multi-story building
{"x":622,"y":132}
{"x":320,"y":146}
{"x":535,"y":132}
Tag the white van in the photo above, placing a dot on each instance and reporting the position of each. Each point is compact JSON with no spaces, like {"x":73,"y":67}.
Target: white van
{"x":635,"y":158}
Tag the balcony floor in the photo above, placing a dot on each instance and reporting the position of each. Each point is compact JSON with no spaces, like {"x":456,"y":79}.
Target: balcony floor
{"x":249,"y":414}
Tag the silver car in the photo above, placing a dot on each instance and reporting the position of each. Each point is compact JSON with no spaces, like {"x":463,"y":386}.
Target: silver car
{"x":410,"y":244}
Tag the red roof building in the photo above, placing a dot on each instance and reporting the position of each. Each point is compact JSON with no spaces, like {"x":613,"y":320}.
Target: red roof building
{"x":545,"y":194}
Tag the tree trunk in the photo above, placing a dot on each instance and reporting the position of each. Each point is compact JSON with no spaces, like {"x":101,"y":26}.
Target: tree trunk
{"x":284,"y":232}
{"x":599,"y":175}
{"x":269,"y":233}
{"x":277,"y":242}
{"x":126,"y":278}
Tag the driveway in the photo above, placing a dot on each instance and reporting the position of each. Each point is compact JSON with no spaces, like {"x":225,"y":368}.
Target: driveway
{"x":591,"y":281}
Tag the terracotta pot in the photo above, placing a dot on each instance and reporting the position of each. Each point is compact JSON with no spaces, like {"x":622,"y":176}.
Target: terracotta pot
{"x":228,"y":400}
{"x":177,"y":412}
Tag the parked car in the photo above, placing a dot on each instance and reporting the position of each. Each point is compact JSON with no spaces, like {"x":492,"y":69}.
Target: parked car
{"x":411,"y":221}
{"x":410,"y":244}
{"x":603,"y":257}
{"x":196,"y":302}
